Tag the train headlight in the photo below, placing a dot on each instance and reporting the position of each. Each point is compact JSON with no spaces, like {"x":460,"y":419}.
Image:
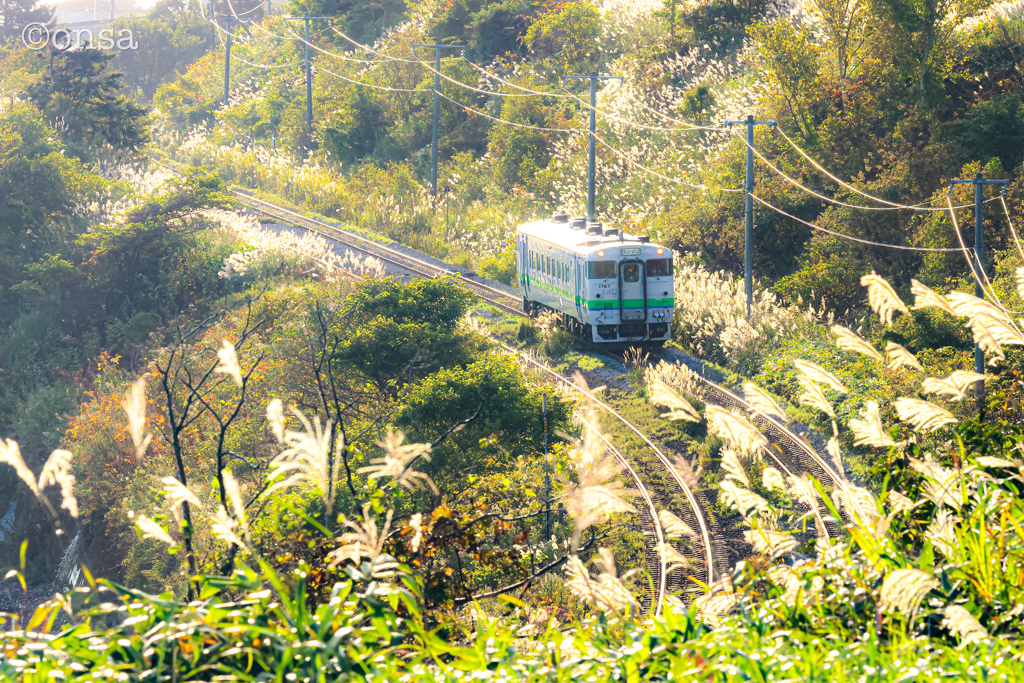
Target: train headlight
{"x":661,"y":250}
{"x":600,"y":252}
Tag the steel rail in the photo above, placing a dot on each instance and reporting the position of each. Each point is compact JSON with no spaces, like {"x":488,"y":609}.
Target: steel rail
{"x":374,"y":248}
{"x":426,"y":269}
{"x":659,"y":572}
{"x":787,"y":442}
{"x":422,"y":268}
{"x":698,"y":513}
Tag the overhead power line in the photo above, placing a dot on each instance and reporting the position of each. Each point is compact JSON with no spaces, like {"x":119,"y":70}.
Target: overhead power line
{"x":632,"y":162}
{"x":845,"y":236}
{"x":509,"y":123}
{"x":325,"y":70}
{"x":850,"y":187}
{"x":1010,"y":223}
{"x":795,"y":183}
{"x":295,"y":36}
{"x":528,"y":92}
{"x":221,"y":30}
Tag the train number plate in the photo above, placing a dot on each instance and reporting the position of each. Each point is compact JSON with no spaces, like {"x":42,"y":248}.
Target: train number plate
{"x":628,"y":251}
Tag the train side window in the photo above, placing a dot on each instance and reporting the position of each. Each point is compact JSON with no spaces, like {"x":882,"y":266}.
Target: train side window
{"x":600,"y":270}
{"x":659,"y":267}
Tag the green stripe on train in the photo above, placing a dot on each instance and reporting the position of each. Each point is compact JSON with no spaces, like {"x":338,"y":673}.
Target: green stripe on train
{"x":612,"y":304}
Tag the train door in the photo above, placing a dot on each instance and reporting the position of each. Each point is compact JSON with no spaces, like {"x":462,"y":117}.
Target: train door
{"x":524,"y":265}
{"x":632,"y":292}
{"x":579,"y":283}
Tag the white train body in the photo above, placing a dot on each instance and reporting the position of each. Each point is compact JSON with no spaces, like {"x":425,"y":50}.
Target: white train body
{"x":609,"y":287}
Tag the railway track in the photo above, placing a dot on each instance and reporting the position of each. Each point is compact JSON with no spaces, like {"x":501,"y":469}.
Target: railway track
{"x":654,"y":538}
{"x":496,"y":297}
{"x":787,"y":450}
{"x":791,"y":453}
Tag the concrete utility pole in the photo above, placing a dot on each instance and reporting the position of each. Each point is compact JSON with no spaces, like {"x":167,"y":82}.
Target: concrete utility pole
{"x":309,"y":74}
{"x":213,"y":27}
{"x":592,"y":149}
{"x":547,"y":473}
{"x":227,"y":61}
{"x":748,"y":232}
{"x":979,"y":264}
{"x":437,"y":110}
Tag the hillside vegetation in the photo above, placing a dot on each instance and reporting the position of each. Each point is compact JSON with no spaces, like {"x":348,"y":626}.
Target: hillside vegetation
{"x":229,"y":452}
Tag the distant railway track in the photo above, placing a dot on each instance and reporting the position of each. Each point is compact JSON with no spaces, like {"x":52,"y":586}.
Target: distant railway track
{"x":496,"y":297}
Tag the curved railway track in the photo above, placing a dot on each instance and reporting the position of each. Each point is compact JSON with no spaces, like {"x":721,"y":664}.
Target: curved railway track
{"x":654,"y":540}
{"x":791,"y":453}
{"x":788,"y":450}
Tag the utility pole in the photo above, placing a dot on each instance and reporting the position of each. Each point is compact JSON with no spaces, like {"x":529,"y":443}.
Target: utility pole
{"x":547,"y":473}
{"x":592,"y":149}
{"x":309,"y":75}
{"x":437,"y":110}
{"x":213,"y":27}
{"x":227,"y":62}
{"x":979,"y":264}
{"x":748,"y":232}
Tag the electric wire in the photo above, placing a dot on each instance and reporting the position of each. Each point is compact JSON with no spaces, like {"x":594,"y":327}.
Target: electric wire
{"x":528,"y":92}
{"x":296,"y":36}
{"x":1010,"y":223}
{"x":832,"y":177}
{"x":986,"y":285}
{"x":235,"y":57}
{"x":387,"y":57}
{"x":666,"y":117}
{"x":652,"y":172}
{"x":531,"y":91}
{"x":837,"y":202}
{"x":624,"y":156}
{"x":613,"y":117}
{"x":248,"y":11}
{"x":319,"y":68}
{"x":570,"y":95}
{"x":509,"y":123}
{"x":843,"y":235}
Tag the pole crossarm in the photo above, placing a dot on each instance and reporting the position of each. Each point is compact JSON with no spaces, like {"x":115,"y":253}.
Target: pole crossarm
{"x":437,"y":111}
{"x":592,"y":149}
{"x":748,"y":213}
{"x":980,"y":181}
{"x":769,"y":122}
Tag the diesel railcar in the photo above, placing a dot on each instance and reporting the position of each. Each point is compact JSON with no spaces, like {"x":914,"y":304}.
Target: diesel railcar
{"x":607,"y":286}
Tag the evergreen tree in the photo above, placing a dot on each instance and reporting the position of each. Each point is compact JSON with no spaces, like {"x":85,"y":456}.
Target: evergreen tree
{"x":16,"y":14}
{"x":83,"y":100}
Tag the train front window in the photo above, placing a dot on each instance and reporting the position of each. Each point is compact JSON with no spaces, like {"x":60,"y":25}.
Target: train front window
{"x":600,"y":270}
{"x":631,"y":272}
{"x":659,"y":267}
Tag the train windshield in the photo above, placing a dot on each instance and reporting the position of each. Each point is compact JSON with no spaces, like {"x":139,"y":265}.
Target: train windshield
{"x":659,"y":267}
{"x":631,"y":272}
{"x":600,"y":270}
